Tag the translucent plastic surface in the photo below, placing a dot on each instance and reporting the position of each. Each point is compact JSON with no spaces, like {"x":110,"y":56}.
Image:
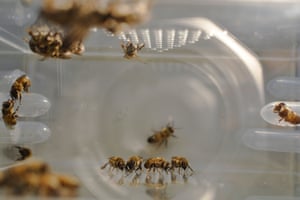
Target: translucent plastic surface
{"x":285,"y":88}
{"x":273,"y":140}
{"x":200,"y":93}
{"x":269,"y":116}
{"x":24,"y":133}
{"x":272,"y":198}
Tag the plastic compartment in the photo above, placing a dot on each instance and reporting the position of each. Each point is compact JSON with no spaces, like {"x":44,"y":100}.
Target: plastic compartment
{"x":104,"y":105}
{"x":209,"y":99}
{"x":191,"y":71}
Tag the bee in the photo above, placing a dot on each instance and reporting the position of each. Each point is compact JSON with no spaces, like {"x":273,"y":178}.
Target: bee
{"x":286,"y":113}
{"x":22,"y":84}
{"x":162,"y":136}
{"x":131,"y":50}
{"x":17,"y":153}
{"x":180,"y":163}
{"x":134,"y":163}
{"x":157,"y":163}
{"x":115,"y":162}
{"x":9,"y":115}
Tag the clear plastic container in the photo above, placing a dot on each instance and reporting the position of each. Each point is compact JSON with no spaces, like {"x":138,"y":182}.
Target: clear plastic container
{"x":191,"y":71}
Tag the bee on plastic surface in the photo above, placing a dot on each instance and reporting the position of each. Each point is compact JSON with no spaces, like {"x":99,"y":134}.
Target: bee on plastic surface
{"x":180,"y":163}
{"x":115,"y":162}
{"x":162,"y":135}
{"x":9,"y":114}
{"x":157,"y":163}
{"x":21,"y":85}
{"x":286,"y":114}
{"x":17,"y":153}
{"x":51,"y":42}
{"x":24,"y":153}
{"x":131,"y":50}
{"x":134,"y":163}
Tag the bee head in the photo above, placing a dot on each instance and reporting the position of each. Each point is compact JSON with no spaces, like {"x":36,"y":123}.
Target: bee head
{"x":170,"y":128}
{"x":6,"y":105}
{"x":146,"y":165}
{"x":278,"y":107}
{"x":166,"y":165}
{"x":151,"y":139}
{"x":121,"y":165}
{"x":129,"y":165}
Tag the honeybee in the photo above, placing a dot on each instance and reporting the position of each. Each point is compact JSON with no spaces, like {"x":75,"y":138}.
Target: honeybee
{"x":22,"y":84}
{"x":115,"y":162}
{"x":17,"y":153}
{"x":162,"y":136}
{"x":134,"y":163}
{"x":9,"y":115}
{"x":131,"y":50}
{"x":180,"y":162}
{"x":286,"y":113}
{"x":157,"y":163}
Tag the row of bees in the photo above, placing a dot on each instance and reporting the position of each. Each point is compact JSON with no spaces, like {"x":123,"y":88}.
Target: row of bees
{"x":9,"y":107}
{"x":151,"y":167}
{"x":154,"y":167}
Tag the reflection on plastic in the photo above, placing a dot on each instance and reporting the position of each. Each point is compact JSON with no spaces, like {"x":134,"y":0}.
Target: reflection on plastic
{"x":285,"y":88}
{"x":269,"y":116}
{"x":24,"y":133}
{"x":272,"y":140}
{"x":162,"y":39}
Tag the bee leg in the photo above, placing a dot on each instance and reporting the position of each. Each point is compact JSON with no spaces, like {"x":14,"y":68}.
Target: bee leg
{"x":148,"y":179}
{"x":160,"y":180}
{"x":190,"y":168}
{"x":159,"y":144}
{"x":166,"y":143}
{"x":173,"y":177}
{"x":20,"y":99}
{"x":140,"y":47}
{"x":121,"y":180}
{"x":185,"y":178}
{"x":104,"y":166}
{"x":135,"y":179}
{"x":127,"y":173}
{"x":138,"y":171}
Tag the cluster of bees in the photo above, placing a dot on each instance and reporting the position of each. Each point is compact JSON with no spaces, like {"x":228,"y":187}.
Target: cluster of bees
{"x":30,"y":177}
{"x":154,"y":164}
{"x":9,"y":107}
{"x":36,"y":178}
{"x":49,"y":42}
{"x":77,"y":18}
{"x":287,"y":114}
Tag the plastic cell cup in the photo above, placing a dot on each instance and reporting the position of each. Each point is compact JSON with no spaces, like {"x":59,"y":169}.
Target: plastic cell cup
{"x":207,"y":97}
